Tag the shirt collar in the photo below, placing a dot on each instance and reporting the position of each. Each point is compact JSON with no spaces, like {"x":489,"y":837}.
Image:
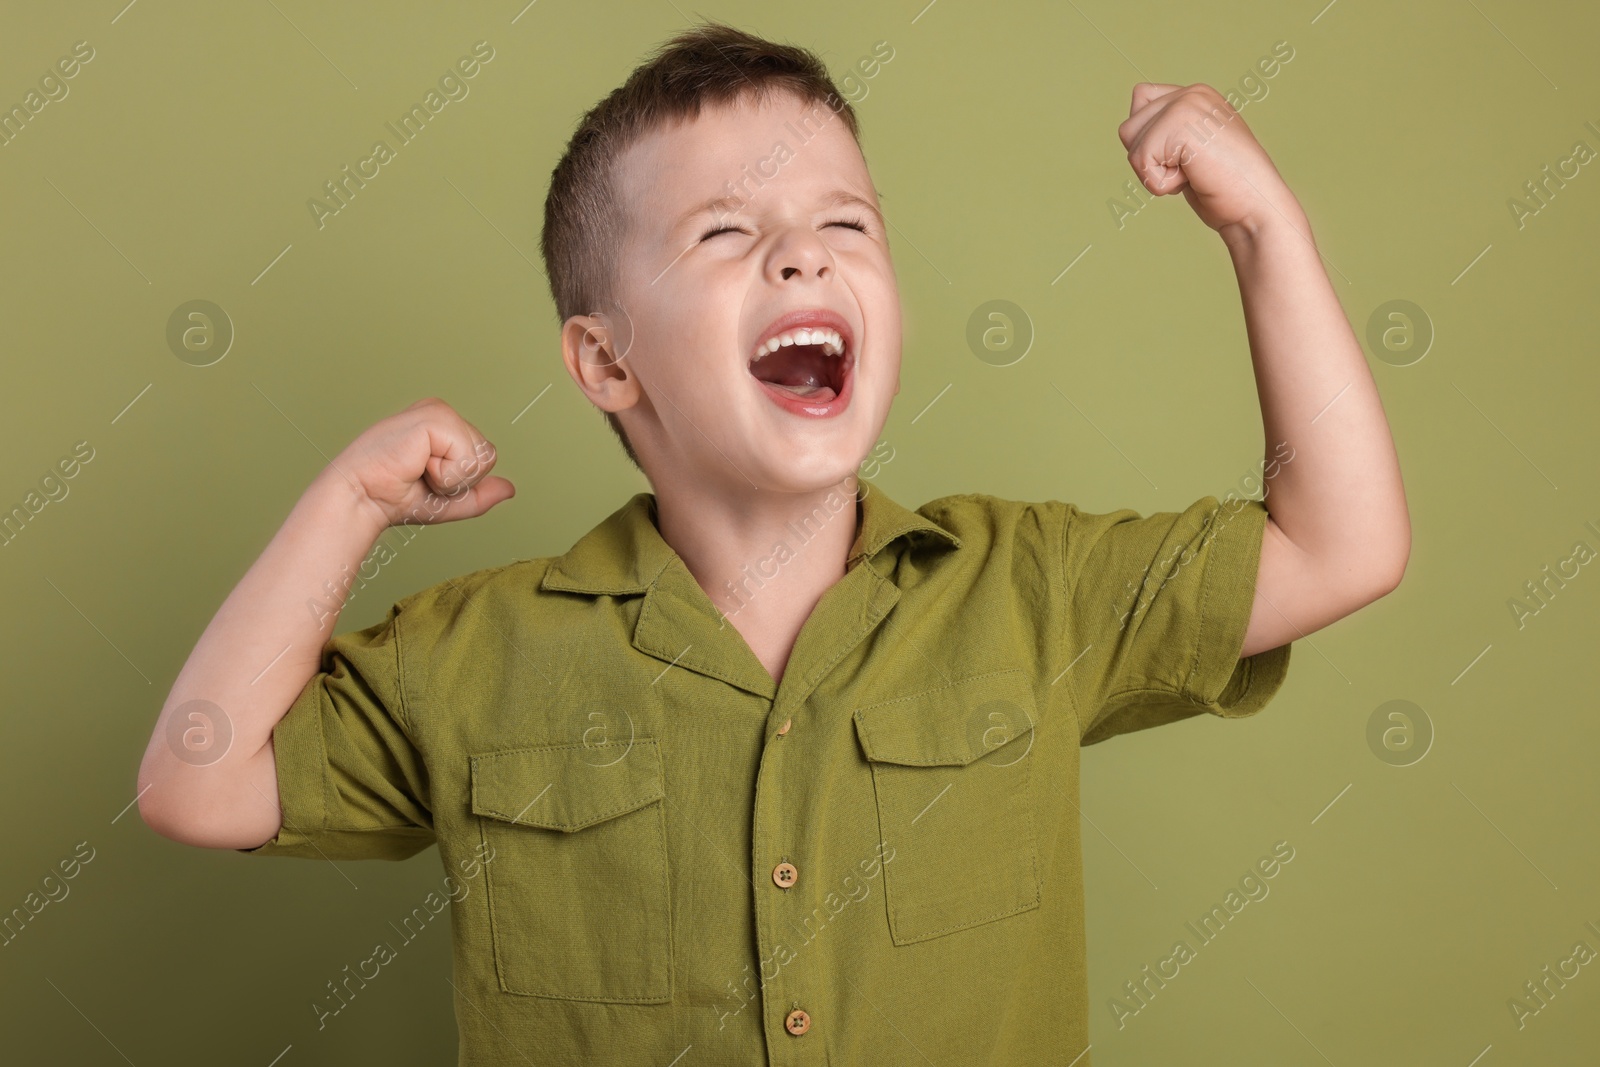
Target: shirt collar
{"x":626,"y":553}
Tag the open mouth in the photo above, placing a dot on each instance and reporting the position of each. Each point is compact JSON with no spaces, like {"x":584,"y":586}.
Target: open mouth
{"x":808,"y":363}
{"x":806,"y":360}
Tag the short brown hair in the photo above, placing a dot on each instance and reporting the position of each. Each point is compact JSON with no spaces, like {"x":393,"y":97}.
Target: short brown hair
{"x":708,"y":64}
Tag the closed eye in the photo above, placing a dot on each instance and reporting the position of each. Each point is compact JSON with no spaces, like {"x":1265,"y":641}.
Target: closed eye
{"x":853,"y":224}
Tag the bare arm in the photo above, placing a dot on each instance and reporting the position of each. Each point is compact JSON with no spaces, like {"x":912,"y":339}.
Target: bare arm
{"x":233,"y":802}
{"x":1338,"y":532}
{"x":265,"y":643}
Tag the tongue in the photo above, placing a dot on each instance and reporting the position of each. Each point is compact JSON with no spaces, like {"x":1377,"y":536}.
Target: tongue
{"x":822,"y":394}
{"x":799,"y":369}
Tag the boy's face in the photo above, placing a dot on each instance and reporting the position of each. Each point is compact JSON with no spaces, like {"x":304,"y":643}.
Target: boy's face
{"x":693,"y":308}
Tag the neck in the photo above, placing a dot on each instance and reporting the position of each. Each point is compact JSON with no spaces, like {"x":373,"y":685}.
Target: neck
{"x":762,"y":554}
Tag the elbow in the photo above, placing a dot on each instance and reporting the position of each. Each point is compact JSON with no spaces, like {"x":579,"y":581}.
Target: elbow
{"x":1368,"y":578}
{"x":174,"y":815}
{"x":1387,"y":575}
{"x":161,"y":821}
{"x":199,"y":830}
{"x":158,"y":797}
{"x":222,"y":813}
{"x":160,"y":814}
{"x":1402,"y":555}
{"x":147,"y":799}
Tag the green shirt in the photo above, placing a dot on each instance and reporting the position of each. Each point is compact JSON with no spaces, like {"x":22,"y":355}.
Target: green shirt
{"x":652,"y":847}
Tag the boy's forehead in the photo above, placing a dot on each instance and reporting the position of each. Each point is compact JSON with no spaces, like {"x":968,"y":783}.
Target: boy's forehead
{"x":685,"y":163}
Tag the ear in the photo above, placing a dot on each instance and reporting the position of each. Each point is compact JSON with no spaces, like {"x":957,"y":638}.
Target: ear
{"x":594,"y":351}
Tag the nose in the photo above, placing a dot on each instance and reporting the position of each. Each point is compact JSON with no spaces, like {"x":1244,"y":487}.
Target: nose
{"x":799,"y":252}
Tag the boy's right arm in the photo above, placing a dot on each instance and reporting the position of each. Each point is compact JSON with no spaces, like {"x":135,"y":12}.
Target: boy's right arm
{"x":263,"y":645}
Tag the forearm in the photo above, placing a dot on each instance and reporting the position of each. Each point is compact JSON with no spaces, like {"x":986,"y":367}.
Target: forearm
{"x":258,"y":652}
{"x":1339,"y":500}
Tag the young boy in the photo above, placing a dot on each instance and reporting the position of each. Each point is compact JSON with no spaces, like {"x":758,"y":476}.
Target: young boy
{"x":767,"y":767}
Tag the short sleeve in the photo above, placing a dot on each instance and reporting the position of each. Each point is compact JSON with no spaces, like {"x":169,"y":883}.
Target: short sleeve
{"x":351,"y":782}
{"x":1158,"y":608}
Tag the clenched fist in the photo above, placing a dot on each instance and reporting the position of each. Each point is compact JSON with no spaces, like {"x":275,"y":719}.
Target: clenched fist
{"x":426,"y":464}
{"x":1189,"y":139}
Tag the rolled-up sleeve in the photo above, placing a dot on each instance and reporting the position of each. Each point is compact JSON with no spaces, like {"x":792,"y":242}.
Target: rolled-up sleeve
{"x":352,"y":783}
{"x":1159,"y":609}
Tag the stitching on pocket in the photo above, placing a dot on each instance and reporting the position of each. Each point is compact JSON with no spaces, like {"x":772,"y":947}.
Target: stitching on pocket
{"x":520,"y":904}
{"x":649,"y":783}
{"x":918,"y":888}
{"x":1033,"y":874}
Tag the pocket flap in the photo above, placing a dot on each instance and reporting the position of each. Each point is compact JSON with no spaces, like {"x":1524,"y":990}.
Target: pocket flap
{"x":566,"y":787}
{"x":950,"y":726}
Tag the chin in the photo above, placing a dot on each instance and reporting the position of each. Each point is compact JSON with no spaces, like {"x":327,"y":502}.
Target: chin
{"x":799,"y":474}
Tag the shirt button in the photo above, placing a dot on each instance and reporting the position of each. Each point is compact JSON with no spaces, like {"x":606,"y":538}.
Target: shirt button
{"x":797,"y":1022}
{"x":785,"y":727}
{"x":784,"y":874}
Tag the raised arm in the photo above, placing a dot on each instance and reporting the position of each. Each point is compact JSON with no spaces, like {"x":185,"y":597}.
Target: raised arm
{"x":1338,"y":533}
{"x":425,"y":464}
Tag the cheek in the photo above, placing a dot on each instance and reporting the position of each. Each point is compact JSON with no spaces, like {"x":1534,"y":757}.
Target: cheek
{"x":882,"y":310}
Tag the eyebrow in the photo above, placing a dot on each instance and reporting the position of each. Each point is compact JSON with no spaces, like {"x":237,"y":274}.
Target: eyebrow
{"x":836,"y":198}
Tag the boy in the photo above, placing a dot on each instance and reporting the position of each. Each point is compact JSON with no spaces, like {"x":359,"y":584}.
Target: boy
{"x":768,"y":768}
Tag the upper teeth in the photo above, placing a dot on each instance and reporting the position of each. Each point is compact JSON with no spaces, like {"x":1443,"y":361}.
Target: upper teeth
{"x":832,"y":342}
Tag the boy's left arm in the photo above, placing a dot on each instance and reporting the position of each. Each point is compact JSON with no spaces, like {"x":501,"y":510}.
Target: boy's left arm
{"x":1338,"y":534}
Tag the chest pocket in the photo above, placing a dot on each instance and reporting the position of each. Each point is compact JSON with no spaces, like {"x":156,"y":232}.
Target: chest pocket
{"x":950,"y":771}
{"x":577,"y":875}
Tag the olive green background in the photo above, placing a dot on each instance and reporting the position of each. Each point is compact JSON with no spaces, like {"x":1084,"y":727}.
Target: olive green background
{"x":1420,"y":898}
